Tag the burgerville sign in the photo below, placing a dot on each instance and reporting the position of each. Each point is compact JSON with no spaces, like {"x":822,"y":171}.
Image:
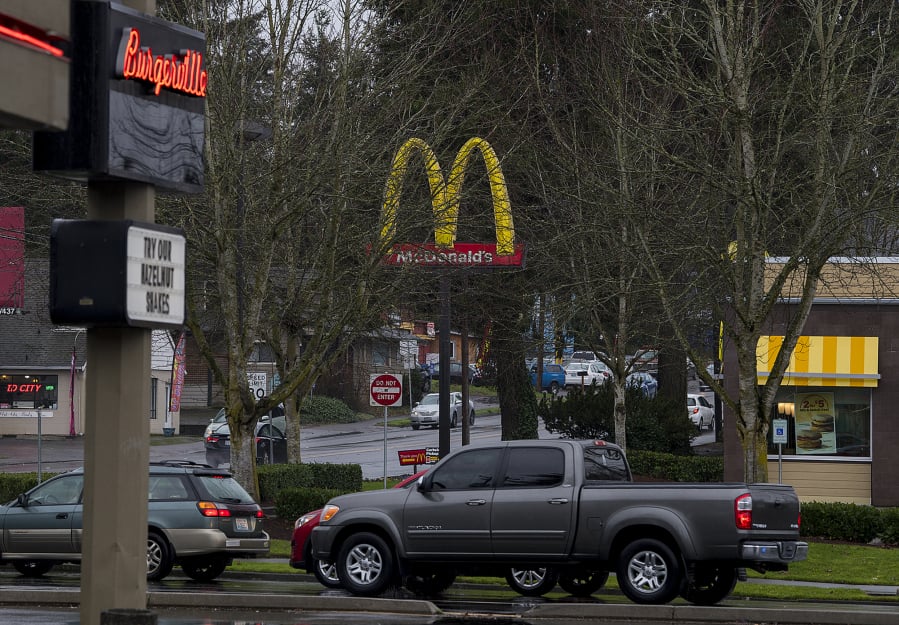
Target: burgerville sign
{"x":136,"y":102}
{"x":446,"y":251}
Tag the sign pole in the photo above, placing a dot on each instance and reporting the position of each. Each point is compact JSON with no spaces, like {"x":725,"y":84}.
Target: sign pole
{"x":385,"y":447}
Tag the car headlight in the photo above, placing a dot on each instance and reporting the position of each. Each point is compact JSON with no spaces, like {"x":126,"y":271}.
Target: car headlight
{"x":309,"y":516}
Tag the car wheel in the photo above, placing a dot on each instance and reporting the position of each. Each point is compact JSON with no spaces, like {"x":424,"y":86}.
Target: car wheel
{"x":583,"y":583}
{"x":471,"y":418}
{"x":454,"y":420}
{"x":532,"y":582}
{"x":32,"y":568}
{"x":649,"y":572}
{"x":365,"y":564}
{"x":427,"y":584}
{"x":326,"y":573}
{"x":206,"y":568}
{"x":159,"y":557}
{"x":415,"y":426}
{"x":710,"y":584}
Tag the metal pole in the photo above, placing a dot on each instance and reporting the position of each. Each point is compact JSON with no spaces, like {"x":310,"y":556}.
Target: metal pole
{"x":39,"y":442}
{"x":444,"y":386}
{"x":780,"y":459}
{"x":385,"y":447}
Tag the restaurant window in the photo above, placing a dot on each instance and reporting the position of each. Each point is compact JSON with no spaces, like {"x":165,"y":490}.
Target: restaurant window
{"x":29,"y":392}
{"x":824,"y":422}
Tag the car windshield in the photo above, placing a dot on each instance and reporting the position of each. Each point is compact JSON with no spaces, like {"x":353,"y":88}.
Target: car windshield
{"x":431,"y":400}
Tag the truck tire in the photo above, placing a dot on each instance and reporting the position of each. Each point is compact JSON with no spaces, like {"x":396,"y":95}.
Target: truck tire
{"x":532,"y":582}
{"x":32,"y":568}
{"x":365,"y":564}
{"x":326,"y":573}
{"x":649,"y":572}
{"x":583,"y":583}
{"x":204,"y":568}
{"x":159,"y":557}
{"x":427,"y":584}
{"x":710,"y":584}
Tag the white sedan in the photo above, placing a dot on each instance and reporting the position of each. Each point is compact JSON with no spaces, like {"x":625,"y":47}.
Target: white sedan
{"x":427,"y":412}
{"x":701,"y":412}
{"x":594,"y":372}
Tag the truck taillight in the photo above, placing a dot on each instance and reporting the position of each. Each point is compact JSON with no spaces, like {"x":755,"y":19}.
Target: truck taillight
{"x":743,"y":511}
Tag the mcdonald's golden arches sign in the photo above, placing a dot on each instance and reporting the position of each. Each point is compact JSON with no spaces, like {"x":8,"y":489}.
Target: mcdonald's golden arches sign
{"x":446,"y":251}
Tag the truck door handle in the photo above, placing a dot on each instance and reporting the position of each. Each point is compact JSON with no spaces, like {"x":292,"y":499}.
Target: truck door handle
{"x":62,"y":515}
{"x":476,"y":502}
{"x":558,"y":501}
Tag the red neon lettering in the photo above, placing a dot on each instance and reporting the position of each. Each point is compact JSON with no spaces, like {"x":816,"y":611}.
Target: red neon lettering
{"x":184,"y":73}
{"x":23,"y":388}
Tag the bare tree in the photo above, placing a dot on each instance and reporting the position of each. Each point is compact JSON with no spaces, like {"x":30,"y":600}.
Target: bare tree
{"x":783,"y":145}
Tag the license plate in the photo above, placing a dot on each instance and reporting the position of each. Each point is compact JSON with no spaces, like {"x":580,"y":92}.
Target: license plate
{"x":242,"y":525}
{"x":227,"y":443}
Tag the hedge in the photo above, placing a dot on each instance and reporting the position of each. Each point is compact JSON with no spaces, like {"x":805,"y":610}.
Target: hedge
{"x":274,"y":478}
{"x":13,"y":484}
{"x":672,"y":468}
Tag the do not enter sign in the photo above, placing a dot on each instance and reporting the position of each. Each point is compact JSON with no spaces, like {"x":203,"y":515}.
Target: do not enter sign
{"x":386,"y":390}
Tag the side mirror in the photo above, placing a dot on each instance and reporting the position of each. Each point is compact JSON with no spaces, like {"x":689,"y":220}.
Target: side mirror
{"x":22,"y":499}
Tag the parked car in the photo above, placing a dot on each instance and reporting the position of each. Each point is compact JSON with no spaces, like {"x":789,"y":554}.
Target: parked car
{"x":644,"y":382}
{"x":271,"y":442}
{"x":427,"y":411}
{"x":455,"y":373}
{"x":595,"y":372}
{"x":301,"y":548}
{"x":646,"y":360}
{"x":583,"y":356}
{"x":701,"y":412}
{"x":553,"y":377}
{"x":198,"y":517}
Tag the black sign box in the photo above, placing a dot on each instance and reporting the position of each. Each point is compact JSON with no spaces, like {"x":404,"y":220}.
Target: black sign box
{"x":89,"y":283}
{"x":122,"y":129}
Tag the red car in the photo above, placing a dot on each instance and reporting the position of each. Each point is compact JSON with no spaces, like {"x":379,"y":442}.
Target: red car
{"x":300,"y":545}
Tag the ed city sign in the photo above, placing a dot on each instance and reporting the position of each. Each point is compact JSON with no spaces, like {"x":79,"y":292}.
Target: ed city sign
{"x":386,"y":390}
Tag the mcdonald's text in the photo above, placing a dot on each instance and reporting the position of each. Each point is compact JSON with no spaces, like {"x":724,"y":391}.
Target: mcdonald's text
{"x":460,"y":255}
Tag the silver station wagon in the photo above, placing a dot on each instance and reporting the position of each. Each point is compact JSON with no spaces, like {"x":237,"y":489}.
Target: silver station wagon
{"x":198,"y":517}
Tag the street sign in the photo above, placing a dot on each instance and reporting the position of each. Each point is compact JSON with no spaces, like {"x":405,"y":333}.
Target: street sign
{"x":258,"y":381}
{"x":386,"y":390}
{"x":779,"y":431}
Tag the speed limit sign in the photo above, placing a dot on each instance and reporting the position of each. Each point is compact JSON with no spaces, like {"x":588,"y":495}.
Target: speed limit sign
{"x":258,"y":381}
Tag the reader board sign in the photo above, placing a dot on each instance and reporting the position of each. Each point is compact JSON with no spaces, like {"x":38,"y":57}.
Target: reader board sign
{"x":155,"y":291}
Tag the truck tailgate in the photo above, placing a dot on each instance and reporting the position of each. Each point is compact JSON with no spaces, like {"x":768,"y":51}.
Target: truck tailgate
{"x":775,"y":507}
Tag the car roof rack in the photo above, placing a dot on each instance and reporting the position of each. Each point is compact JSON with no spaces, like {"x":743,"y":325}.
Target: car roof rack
{"x":179,"y":463}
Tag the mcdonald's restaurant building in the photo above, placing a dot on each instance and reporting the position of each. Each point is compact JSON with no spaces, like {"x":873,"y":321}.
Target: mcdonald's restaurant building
{"x":838,"y":404}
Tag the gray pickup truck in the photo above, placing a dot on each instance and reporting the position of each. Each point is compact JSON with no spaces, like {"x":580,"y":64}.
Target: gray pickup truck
{"x":559,"y":510}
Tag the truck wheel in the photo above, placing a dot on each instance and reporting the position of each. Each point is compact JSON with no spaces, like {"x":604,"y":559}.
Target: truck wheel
{"x":710,"y":584}
{"x":427,"y":584}
{"x":326,"y":574}
{"x":532,"y":582}
{"x":32,"y":568}
{"x":365,"y":564}
{"x":583,"y":583}
{"x":204,"y":568}
{"x":159,"y":557}
{"x":649,"y":572}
